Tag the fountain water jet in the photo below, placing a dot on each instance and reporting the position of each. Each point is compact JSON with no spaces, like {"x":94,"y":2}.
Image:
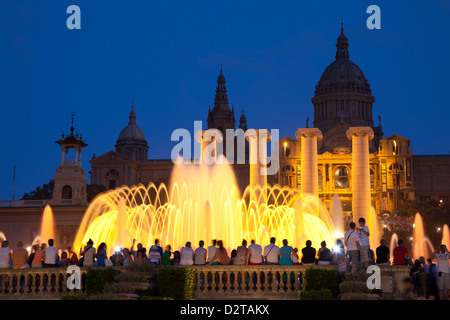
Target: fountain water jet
{"x":204,"y":203}
{"x":445,"y":235}
{"x":420,"y":238}
{"x":47,"y":229}
{"x":337,"y":216}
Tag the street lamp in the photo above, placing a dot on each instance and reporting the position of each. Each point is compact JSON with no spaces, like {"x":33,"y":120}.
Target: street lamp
{"x":396,"y":181}
{"x":284,"y":164}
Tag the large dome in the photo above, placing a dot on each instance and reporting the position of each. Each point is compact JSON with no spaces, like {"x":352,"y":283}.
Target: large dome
{"x":343,"y":75}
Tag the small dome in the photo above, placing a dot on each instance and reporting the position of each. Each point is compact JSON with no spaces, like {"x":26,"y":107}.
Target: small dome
{"x":131,"y":131}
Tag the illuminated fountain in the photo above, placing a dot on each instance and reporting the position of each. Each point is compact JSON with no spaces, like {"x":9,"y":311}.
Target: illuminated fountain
{"x":203,"y":202}
{"x":47,"y":229}
{"x":2,"y":236}
{"x":392,"y":245}
{"x":445,"y":236}
{"x":422,"y":244}
{"x":337,"y":215}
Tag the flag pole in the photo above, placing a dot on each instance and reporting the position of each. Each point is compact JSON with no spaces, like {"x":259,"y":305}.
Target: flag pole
{"x":14,"y":182}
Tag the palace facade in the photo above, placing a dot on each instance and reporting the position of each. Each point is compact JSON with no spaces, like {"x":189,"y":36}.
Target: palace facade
{"x":343,"y":99}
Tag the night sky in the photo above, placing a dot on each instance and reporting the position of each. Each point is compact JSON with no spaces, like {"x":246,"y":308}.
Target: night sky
{"x":166,"y":56}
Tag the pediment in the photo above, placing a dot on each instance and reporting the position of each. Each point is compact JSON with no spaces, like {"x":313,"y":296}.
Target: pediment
{"x":111,"y":156}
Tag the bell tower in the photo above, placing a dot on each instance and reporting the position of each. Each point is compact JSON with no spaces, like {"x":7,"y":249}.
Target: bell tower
{"x":70,"y":182}
{"x":221,"y":117}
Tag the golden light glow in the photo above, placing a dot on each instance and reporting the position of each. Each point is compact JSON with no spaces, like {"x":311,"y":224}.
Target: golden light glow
{"x":203,"y":203}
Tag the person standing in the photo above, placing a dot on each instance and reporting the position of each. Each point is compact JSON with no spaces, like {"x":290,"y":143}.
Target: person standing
{"x":51,"y":255}
{"x":383,"y":254}
{"x":254,"y":254}
{"x":432,"y":267}
{"x":211,"y":250}
{"x":353,"y":247}
{"x":20,"y":257}
{"x":363,"y":234}
{"x":442,"y":260}
{"x":200,"y":254}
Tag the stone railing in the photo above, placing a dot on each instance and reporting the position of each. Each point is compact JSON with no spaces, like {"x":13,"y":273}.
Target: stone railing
{"x":249,"y":282}
{"x":23,"y":203}
{"x":32,"y":283}
{"x":212,"y":282}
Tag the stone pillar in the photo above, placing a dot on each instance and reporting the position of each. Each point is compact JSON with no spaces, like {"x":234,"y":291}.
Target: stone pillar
{"x":310,"y":173}
{"x":360,"y":171}
{"x":258,"y":155}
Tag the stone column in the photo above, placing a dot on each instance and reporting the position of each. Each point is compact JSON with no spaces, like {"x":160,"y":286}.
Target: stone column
{"x":258,"y":139}
{"x":360,"y":171}
{"x":310,"y":173}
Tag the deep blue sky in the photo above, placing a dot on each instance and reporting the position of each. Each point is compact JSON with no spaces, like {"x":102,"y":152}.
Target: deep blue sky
{"x":166,"y":56}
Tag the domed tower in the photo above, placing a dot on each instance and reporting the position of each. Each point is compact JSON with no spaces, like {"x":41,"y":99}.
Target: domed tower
{"x":69,"y":181}
{"x":131,"y":141}
{"x":342,"y":96}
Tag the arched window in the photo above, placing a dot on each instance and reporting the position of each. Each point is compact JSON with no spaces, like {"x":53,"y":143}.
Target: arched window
{"x":341,"y":180}
{"x":66,"y":193}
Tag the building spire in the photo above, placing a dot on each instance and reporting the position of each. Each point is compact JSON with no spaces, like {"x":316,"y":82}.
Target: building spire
{"x":132,"y":116}
{"x":71,"y":127}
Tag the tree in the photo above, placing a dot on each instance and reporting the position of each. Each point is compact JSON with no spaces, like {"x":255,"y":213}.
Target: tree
{"x":40,"y":193}
{"x":93,"y":190}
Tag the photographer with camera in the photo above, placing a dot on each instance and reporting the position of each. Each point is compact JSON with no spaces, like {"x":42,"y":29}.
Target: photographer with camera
{"x":442,"y":260}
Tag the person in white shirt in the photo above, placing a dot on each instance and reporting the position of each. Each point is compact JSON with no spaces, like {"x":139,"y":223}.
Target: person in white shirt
{"x":254,"y":254}
{"x":187,"y":255}
{"x":353,"y":247}
{"x":200,"y":254}
{"x":272,"y":252}
{"x":51,"y":255}
{"x":5,"y":255}
{"x":154,"y":257}
{"x":364,"y":233}
{"x":442,"y":260}
{"x":211,"y":252}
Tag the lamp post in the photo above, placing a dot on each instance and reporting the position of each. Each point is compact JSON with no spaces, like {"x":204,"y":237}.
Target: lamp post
{"x":396,"y":174}
{"x":284,"y":165}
